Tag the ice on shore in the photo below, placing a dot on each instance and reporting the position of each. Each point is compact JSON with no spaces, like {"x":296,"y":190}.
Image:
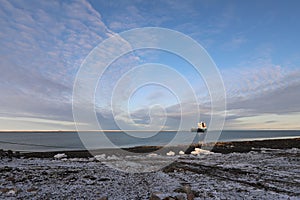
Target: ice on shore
{"x":171,"y":153}
{"x":60,"y":156}
{"x":198,"y":151}
{"x":100,"y":157}
{"x":113,"y":157}
{"x":152,"y":155}
{"x":181,"y":153}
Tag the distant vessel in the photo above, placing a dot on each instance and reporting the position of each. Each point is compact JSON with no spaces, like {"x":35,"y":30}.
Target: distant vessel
{"x":201,"y":128}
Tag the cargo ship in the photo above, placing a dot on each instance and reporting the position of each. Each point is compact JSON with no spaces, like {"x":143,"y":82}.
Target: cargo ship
{"x":201,"y":128}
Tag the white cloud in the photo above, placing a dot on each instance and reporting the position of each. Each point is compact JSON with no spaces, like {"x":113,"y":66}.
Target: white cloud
{"x":262,"y":94}
{"x":42,"y":45}
{"x":266,"y":121}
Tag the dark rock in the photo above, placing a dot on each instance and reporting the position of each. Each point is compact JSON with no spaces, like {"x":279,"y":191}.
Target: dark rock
{"x":169,"y":198}
{"x":4,"y":190}
{"x":154,"y":196}
{"x":187,"y":190}
{"x":12,"y":179}
{"x":10,"y":153}
{"x":6,"y":169}
{"x":190,"y":196}
{"x":184,"y":189}
{"x":9,"y":190}
{"x":32,"y":189}
{"x":104,"y":179}
{"x":71,"y":171}
{"x":44,"y":173}
{"x":180,"y":197}
{"x":17,"y":154}
{"x":1,"y":153}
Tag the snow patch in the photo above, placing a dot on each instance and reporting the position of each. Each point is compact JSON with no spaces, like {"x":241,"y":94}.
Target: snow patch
{"x":171,"y":153}
{"x":60,"y":156}
{"x":152,"y":155}
{"x":100,"y":157}
{"x":181,"y":153}
{"x":198,"y":151}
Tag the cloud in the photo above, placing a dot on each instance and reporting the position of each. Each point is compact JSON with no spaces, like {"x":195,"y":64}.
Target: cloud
{"x":42,"y":45}
{"x":264,"y":94}
{"x":256,"y":78}
{"x":266,"y":121}
{"x":282,"y":100}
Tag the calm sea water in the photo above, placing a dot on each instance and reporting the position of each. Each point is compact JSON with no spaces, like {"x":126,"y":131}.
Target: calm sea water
{"x":53,"y":141}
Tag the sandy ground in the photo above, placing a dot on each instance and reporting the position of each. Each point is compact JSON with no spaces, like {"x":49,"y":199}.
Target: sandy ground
{"x":259,"y":174}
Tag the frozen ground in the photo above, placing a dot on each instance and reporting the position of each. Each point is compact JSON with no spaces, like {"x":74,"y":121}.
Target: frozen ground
{"x":265,"y":174}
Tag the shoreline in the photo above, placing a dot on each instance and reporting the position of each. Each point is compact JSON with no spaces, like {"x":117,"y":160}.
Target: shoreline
{"x":219,"y":147}
{"x":262,"y":173}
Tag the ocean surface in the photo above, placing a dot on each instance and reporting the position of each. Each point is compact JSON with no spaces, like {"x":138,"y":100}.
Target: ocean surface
{"x":54,"y":141}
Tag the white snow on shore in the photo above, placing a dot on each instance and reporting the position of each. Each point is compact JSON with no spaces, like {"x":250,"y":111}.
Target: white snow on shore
{"x":269,"y":174}
{"x":60,"y":156}
{"x":171,"y":153}
{"x":198,"y":151}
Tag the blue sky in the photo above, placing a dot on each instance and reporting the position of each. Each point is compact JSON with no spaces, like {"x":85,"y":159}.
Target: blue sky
{"x":255,"y":45}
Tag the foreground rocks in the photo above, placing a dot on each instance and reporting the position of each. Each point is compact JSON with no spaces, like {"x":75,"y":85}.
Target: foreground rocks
{"x":9,"y":154}
{"x":263,"y":174}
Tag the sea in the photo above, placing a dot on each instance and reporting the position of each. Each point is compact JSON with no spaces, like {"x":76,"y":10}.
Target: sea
{"x":60,"y":140}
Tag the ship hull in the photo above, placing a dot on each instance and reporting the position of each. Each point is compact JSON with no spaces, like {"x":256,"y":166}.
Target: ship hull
{"x":201,"y":130}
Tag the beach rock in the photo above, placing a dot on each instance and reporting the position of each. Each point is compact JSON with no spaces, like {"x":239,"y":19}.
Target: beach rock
{"x":32,"y":189}
{"x":154,"y":196}
{"x":169,"y":198}
{"x":1,"y":153}
{"x":187,"y":190}
{"x":12,"y":179}
{"x":6,"y":169}
{"x":10,"y":153}
{"x":9,"y":191}
{"x":44,"y":173}
{"x":104,"y":179}
{"x":4,"y":190}
{"x":17,"y":154}
{"x":180,"y":197}
{"x":190,"y":196}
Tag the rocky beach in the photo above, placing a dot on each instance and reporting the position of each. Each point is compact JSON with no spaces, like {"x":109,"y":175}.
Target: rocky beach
{"x":234,"y":170}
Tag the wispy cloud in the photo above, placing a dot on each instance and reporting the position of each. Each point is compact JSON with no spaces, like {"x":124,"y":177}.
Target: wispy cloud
{"x":42,"y":45}
{"x":252,"y":93}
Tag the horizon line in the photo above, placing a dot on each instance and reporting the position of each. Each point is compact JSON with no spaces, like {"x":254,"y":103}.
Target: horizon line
{"x":111,"y":130}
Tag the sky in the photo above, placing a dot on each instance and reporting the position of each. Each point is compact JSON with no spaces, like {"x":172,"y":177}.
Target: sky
{"x":254,"y":44}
